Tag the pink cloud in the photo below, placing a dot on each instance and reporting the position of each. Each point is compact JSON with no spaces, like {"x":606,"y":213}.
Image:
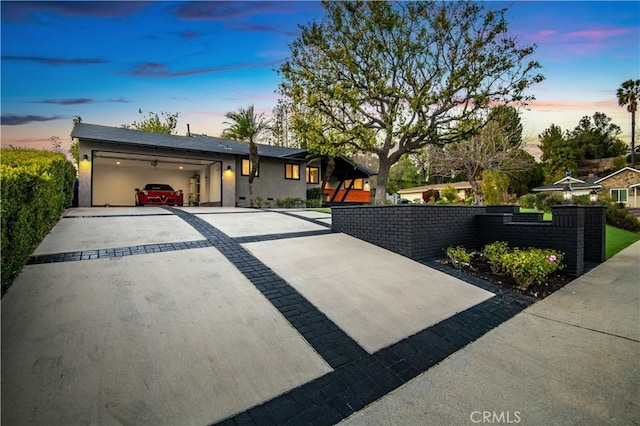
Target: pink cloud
{"x":600,"y":34}
{"x":547,"y":32}
{"x":575,"y":105}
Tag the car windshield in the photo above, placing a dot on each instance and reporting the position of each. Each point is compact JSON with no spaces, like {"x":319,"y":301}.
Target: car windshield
{"x":158,"y":187}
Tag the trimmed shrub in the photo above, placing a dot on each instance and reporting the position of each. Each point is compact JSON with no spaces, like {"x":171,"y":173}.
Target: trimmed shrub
{"x":36,"y":188}
{"x":314,"y":193}
{"x":622,"y":218}
{"x":314,"y":203}
{"x":528,"y":201}
{"x":551,"y":200}
{"x":493,"y":253}
{"x":458,"y":256}
{"x":450,"y":194}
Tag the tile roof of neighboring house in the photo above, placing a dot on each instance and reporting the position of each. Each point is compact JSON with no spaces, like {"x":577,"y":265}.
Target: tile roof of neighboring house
{"x":198,"y":143}
{"x":616,"y":172}
{"x":436,"y":186}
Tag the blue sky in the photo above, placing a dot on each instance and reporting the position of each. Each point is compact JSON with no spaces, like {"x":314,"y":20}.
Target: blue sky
{"x":105,"y":60}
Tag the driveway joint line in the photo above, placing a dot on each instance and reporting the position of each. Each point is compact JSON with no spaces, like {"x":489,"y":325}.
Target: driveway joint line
{"x":97,"y":216}
{"x":308,"y":219}
{"x":281,"y":236}
{"x":72,"y":256}
{"x":582,"y":327}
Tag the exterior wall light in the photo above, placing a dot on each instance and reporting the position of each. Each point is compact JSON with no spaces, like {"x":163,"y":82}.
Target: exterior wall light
{"x":593,"y":196}
{"x":567,"y":194}
{"x":85,"y":157}
{"x":228,"y":172}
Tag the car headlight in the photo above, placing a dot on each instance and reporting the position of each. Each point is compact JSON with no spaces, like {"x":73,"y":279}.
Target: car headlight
{"x":145,"y":193}
{"x":179,"y":192}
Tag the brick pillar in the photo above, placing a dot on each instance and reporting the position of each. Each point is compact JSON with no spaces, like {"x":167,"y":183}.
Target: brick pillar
{"x":567,"y":233}
{"x":595,"y":219}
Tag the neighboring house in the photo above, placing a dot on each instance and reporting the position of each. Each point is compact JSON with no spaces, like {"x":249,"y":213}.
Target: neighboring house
{"x":578,"y":187}
{"x":349,"y":183}
{"x":623,"y":186}
{"x":210,"y":171}
{"x":412,"y":194}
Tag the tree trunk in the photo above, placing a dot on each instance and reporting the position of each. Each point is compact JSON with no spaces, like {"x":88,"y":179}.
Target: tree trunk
{"x":633,"y":137}
{"x":383,"y":177}
{"x":331,"y":165}
{"x":477,"y":192}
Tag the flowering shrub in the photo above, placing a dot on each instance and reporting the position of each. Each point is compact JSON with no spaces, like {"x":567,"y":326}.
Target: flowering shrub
{"x":459,"y":257}
{"x":531,"y":265}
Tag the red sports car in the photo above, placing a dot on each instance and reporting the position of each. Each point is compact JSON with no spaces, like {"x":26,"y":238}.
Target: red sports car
{"x":158,"y":194}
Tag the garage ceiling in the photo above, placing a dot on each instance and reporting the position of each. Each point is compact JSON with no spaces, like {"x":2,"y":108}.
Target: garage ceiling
{"x":124,"y":159}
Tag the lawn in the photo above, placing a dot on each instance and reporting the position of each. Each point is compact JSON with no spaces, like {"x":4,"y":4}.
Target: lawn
{"x":618,"y":239}
{"x":545,"y":216}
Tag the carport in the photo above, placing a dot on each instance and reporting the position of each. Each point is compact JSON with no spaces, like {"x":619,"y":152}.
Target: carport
{"x":116,"y":174}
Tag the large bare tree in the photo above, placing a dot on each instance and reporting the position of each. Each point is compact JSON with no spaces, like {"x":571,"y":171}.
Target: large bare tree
{"x":394,"y":77}
{"x":496,"y":147}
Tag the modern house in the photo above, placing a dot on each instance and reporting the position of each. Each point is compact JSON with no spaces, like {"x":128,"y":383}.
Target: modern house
{"x":349,"y":182}
{"x":416,"y":193}
{"x":210,"y":171}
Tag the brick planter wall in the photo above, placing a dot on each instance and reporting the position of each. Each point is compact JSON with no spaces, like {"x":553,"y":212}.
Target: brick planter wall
{"x":425,"y":231}
{"x":414,"y":230}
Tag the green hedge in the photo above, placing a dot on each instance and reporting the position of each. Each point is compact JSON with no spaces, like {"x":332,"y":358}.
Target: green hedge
{"x":36,"y":187}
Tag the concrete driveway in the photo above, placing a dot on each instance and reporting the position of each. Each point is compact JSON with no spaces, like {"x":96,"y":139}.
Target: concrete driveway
{"x":197,"y":315}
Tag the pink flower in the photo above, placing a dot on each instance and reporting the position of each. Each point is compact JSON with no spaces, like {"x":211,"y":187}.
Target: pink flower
{"x":552,"y":258}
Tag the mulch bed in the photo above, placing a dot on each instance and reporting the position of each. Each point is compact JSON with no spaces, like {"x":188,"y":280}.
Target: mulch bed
{"x":480,"y":268}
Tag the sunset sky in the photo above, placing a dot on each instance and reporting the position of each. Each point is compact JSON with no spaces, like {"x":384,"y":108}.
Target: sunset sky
{"x":105,"y":60}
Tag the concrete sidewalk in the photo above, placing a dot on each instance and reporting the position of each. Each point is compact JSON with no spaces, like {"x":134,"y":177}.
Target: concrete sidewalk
{"x":571,"y":359}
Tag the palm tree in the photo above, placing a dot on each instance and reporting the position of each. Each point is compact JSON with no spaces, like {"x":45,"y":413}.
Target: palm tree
{"x":628,"y":94}
{"x":246,"y":126}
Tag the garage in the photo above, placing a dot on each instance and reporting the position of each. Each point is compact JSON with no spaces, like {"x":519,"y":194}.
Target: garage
{"x":114,"y":161}
{"x":116,"y":175}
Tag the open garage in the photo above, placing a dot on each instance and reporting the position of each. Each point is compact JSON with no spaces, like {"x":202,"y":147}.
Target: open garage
{"x":116,"y":175}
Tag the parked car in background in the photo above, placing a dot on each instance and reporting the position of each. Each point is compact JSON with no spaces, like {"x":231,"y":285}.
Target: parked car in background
{"x":159,"y":194}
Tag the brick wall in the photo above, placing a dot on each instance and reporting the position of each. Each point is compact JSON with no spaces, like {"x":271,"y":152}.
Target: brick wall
{"x":413,"y":230}
{"x":425,"y":231}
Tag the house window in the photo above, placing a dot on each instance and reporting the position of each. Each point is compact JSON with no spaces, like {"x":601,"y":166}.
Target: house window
{"x":246,"y":168}
{"x":292,"y":171}
{"x":313,"y":175}
{"x":357,"y":184}
{"x":619,"y":195}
